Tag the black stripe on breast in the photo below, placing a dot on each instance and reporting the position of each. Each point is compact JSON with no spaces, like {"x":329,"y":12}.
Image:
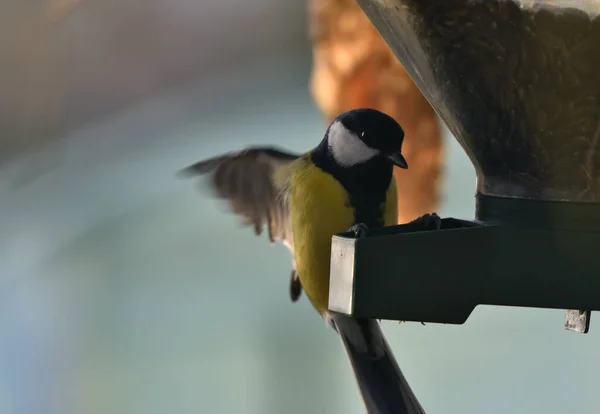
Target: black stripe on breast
{"x":366,"y":185}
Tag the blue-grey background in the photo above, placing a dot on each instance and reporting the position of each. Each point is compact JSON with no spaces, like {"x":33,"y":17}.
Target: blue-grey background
{"x":124,"y":290}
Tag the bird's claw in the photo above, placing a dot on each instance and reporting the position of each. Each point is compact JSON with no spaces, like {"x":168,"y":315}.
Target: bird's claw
{"x":430,"y":221}
{"x":360,"y":230}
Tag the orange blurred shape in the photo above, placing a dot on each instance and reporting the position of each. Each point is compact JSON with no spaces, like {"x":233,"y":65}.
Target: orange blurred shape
{"x":353,"y":67}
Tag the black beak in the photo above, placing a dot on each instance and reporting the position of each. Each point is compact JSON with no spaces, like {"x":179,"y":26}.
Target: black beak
{"x":398,"y":159}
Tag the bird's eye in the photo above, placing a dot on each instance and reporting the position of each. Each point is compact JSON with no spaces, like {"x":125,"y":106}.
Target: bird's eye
{"x":362,"y":134}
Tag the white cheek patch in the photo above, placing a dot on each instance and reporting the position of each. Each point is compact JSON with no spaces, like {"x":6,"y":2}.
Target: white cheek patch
{"x":347,"y":149}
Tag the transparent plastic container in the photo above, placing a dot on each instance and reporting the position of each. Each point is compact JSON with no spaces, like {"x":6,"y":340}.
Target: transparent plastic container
{"x":517,"y":83}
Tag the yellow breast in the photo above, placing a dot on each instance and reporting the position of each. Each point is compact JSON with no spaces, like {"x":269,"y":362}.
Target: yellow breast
{"x":319,"y":209}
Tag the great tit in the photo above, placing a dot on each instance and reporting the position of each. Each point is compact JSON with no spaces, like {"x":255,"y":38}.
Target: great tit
{"x":346,"y":182}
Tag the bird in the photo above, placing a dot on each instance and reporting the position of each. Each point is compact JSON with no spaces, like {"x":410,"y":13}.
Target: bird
{"x":345,"y":183}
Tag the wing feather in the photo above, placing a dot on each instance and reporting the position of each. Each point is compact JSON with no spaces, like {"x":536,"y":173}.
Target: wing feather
{"x":247,"y":180}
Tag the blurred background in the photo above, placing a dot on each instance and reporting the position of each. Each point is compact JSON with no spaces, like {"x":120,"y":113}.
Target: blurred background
{"x":126,"y":290}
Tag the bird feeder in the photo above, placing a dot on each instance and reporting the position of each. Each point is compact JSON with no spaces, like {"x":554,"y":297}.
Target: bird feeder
{"x":517,"y":82}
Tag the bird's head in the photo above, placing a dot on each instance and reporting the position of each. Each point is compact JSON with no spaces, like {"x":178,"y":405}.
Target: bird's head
{"x":361,"y":135}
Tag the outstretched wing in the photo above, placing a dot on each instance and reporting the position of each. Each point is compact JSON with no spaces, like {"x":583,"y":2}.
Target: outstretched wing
{"x":247,"y":180}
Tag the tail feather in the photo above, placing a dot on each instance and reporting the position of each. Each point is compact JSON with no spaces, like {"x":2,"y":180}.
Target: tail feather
{"x":381,"y":382}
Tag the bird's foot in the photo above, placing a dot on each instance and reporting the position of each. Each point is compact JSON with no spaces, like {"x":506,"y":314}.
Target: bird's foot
{"x":295,"y":286}
{"x":429,"y":221}
{"x":360,"y":230}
